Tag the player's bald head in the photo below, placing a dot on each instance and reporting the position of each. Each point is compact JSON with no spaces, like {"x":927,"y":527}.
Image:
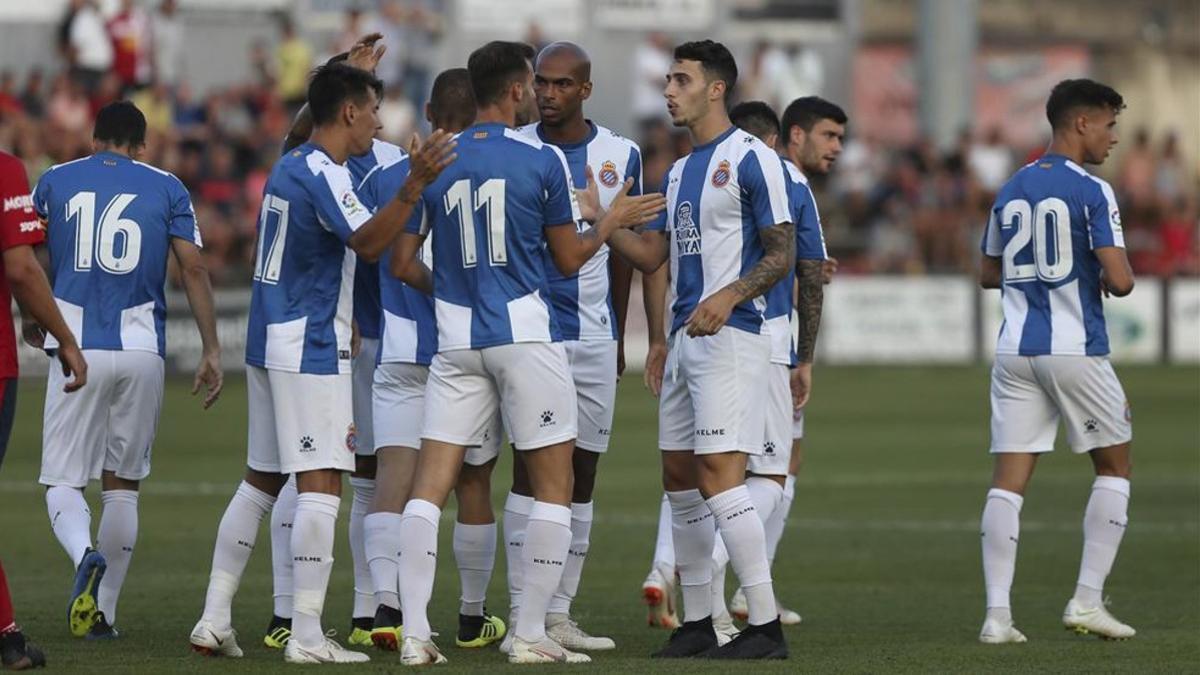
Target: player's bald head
{"x":570,"y":55}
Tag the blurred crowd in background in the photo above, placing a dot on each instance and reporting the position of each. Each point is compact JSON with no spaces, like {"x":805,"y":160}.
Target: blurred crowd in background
{"x":908,"y":209}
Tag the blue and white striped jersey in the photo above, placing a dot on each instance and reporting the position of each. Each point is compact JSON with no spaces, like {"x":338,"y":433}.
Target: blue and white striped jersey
{"x":583,"y":303}
{"x":1047,"y":221}
{"x":109,"y":224}
{"x":302,"y":298}
{"x":486,"y":213}
{"x":810,"y":245}
{"x":366,"y":275}
{"x":409,"y":330}
{"x":718,"y":198}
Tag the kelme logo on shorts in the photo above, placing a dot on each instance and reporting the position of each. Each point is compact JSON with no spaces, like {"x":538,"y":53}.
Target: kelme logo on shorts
{"x":306,"y":444}
{"x":547,"y":418}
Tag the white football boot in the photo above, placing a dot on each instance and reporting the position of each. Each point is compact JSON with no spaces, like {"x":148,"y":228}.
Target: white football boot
{"x":544,"y":651}
{"x":724,"y":628}
{"x":997,"y":632}
{"x":658,"y":592}
{"x":328,"y":652}
{"x":1095,"y":620}
{"x":209,"y":640}
{"x":416,"y":652}
{"x":562,"y":629}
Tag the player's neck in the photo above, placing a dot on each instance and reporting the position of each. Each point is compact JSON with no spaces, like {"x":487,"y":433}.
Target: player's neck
{"x":706,"y":129}
{"x":1061,"y":146}
{"x":336,"y":145}
{"x":494,"y":114}
{"x":574,"y":130}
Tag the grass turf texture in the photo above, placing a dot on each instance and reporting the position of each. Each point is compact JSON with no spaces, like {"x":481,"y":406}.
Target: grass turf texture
{"x":881,"y":556}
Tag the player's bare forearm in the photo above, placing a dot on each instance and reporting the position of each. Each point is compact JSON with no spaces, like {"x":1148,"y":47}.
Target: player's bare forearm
{"x":809,"y":302}
{"x":625,"y":211}
{"x":300,"y":130}
{"x":654,"y":297}
{"x":1117,"y":277}
{"x":990,"y":271}
{"x":646,"y":250}
{"x":779,"y":250}
{"x":621,"y":273}
{"x":372,"y":239}
{"x":31,"y":290}
{"x":197,"y":285}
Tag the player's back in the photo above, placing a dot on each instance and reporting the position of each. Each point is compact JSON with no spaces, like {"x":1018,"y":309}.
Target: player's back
{"x":366,"y":275}
{"x":301,"y":303}
{"x":109,"y":224}
{"x":1045,"y":225}
{"x":486,"y":212}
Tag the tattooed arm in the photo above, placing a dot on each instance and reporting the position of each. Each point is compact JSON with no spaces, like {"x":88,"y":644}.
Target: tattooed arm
{"x":779,"y":244}
{"x":809,"y":301}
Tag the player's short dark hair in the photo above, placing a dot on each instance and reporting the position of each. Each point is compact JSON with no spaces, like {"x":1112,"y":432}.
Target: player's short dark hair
{"x":120,"y":123}
{"x":1070,"y":95}
{"x":334,"y":84}
{"x":495,"y":66}
{"x":806,"y":111}
{"x":452,"y":103}
{"x":715,"y":60}
{"x":756,"y":118}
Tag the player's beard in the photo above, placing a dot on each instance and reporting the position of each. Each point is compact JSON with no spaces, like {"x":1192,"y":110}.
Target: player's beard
{"x":527,"y":113}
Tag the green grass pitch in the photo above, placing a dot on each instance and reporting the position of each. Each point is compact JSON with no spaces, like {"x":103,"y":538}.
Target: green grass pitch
{"x":881,"y":556}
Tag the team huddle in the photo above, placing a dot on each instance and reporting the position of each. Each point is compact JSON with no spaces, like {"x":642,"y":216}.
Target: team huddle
{"x":413,"y":310}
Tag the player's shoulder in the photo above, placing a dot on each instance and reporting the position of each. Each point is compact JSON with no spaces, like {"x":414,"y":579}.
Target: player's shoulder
{"x":152,"y":175}
{"x":794,"y":174}
{"x":387,"y":153}
{"x":527,"y":132}
{"x":610,"y":137}
{"x":9,"y":162}
{"x":60,"y":171}
{"x":1089,"y":182}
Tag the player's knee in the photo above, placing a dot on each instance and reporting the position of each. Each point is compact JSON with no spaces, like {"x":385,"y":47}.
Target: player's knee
{"x":364,"y":466}
{"x":678,"y":475}
{"x":270,"y":483}
{"x":584,"y":464}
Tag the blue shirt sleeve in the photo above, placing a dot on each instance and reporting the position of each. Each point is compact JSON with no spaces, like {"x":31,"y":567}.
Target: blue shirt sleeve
{"x":337,"y":204}
{"x":41,"y":197}
{"x":659,"y":224}
{"x":183,"y":217}
{"x":634,"y":169}
{"x":810,"y":241}
{"x":417,"y":222}
{"x":560,"y":206}
{"x":764,"y":190}
{"x":992,"y":245}
{"x":1104,"y":218}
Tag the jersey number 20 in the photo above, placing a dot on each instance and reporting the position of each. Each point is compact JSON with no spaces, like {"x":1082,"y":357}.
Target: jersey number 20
{"x":117,"y":256}
{"x":490,"y":195}
{"x":1037,"y":224}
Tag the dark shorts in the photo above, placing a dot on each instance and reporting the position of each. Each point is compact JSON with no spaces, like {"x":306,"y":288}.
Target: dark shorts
{"x":8,"y":410}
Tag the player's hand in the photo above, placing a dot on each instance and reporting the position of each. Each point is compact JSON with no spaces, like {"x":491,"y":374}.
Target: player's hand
{"x":589,"y":198}
{"x":656,"y":363}
{"x":828,"y":268}
{"x":33,"y":334}
{"x":711,"y":314}
{"x":364,"y":55}
{"x":210,"y":377}
{"x":426,"y":161}
{"x":73,"y":366}
{"x":635,"y":210}
{"x":801,"y":385}
{"x":620,"y":359}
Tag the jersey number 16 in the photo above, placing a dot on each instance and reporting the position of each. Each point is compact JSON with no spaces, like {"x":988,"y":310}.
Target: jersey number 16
{"x":114,"y":255}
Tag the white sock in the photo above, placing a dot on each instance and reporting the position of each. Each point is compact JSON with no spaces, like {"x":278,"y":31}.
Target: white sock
{"x":235,"y":542}
{"x":115,"y":539}
{"x":71,"y":520}
{"x":581,"y":535}
{"x":516,"y":518}
{"x":475,"y":553}
{"x":1104,"y":524}
{"x":547,"y":542}
{"x":742,"y":529}
{"x":1000,"y":527}
{"x":418,"y":565}
{"x":382,"y":544}
{"x":364,"y":590}
{"x":664,"y":542}
{"x":766,"y":495}
{"x":281,"y":548}
{"x":693,"y":535}
{"x":773,"y":527}
{"x":312,"y":561}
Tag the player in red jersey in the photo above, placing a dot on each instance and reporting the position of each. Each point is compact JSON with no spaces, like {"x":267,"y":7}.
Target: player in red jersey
{"x":23,"y":278}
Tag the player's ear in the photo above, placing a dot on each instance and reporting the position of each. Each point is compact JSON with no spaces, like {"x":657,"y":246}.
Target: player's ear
{"x":585,"y":90}
{"x":428,"y":113}
{"x":716,"y":90}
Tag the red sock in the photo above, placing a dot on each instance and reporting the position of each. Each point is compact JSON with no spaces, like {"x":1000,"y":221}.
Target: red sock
{"x":7,"y":621}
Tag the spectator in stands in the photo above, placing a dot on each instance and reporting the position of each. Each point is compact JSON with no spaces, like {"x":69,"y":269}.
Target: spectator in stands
{"x":991,"y":160}
{"x":651,"y":60}
{"x":129,"y":30}
{"x":10,"y":104}
{"x":294,"y":58}
{"x":33,"y":100}
{"x":167,"y":35}
{"x":424,"y":30}
{"x":391,"y":24}
{"x":89,"y":49}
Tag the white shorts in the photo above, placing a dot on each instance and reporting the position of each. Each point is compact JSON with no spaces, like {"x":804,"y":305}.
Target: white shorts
{"x":713,"y":395}
{"x":594,"y":369}
{"x":108,"y":425}
{"x":777,"y":430}
{"x":362,"y":370}
{"x":1031,"y":393}
{"x":299,"y":421}
{"x":529,"y":383}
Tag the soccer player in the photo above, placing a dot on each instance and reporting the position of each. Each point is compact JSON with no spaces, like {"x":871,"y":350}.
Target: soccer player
{"x":499,"y":346}
{"x":409,"y":342}
{"x":1054,"y":246}
{"x":364,"y":55}
{"x":584,"y":305}
{"x":311,"y":227}
{"x":729,"y":237}
{"x":113,"y":222}
{"x":813,"y":129}
{"x":20,"y":231}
